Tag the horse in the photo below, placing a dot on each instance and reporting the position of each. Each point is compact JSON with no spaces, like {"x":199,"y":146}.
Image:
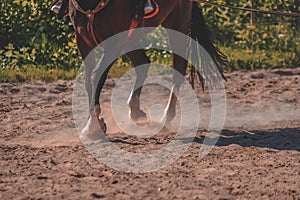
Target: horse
{"x":95,"y":21}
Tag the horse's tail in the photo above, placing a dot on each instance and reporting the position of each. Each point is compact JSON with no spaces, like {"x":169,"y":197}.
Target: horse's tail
{"x":200,"y":33}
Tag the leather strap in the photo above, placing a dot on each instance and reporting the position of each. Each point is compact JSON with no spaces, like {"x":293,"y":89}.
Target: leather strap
{"x":90,"y":14}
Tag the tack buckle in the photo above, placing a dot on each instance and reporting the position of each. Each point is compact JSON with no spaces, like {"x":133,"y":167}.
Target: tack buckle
{"x":89,"y":14}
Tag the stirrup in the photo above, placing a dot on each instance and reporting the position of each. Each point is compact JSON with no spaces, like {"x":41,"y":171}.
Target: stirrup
{"x":56,"y":8}
{"x":148,"y":8}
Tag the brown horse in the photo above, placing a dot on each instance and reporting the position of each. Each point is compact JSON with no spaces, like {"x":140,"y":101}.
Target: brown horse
{"x":95,"y":21}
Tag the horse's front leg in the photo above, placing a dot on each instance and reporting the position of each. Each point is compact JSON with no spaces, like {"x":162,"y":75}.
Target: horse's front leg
{"x":98,"y":79}
{"x":138,"y":57}
{"x":89,"y":65}
{"x":88,"y":55}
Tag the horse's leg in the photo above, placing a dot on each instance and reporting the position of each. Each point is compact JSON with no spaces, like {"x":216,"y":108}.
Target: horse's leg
{"x":179,"y":64}
{"x":89,"y":64}
{"x":138,"y":57}
{"x":179,"y":70}
{"x":92,"y":127}
{"x":95,"y":122}
{"x":98,"y":78}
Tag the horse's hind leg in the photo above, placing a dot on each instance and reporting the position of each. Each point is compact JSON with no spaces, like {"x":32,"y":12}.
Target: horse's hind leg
{"x":138,"y":57}
{"x":179,"y":70}
{"x":179,"y":64}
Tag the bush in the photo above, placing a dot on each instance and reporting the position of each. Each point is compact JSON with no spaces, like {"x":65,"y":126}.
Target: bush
{"x":31,"y":35}
{"x":270,"y":33}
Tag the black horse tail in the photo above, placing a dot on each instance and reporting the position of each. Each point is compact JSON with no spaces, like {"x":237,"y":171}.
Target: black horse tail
{"x":200,"y":33}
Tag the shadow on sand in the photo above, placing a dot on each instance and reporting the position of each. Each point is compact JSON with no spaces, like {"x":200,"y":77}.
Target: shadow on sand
{"x":279,"y":139}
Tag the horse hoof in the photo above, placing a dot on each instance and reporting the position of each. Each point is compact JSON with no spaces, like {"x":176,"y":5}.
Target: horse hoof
{"x":102,"y":124}
{"x":92,"y":130}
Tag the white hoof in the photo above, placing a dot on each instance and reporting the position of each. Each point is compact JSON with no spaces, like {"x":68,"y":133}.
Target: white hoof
{"x":92,"y":131}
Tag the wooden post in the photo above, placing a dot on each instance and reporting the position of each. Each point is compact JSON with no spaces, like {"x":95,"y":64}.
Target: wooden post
{"x":252,"y":30}
{"x":252,"y":19}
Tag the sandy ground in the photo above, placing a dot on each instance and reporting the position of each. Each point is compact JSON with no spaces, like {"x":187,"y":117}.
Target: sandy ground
{"x":256,"y":157}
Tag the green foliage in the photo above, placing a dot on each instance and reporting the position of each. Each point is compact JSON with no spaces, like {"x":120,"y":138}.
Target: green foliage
{"x":31,"y":35}
{"x":269,"y":33}
{"x":261,"y":59}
